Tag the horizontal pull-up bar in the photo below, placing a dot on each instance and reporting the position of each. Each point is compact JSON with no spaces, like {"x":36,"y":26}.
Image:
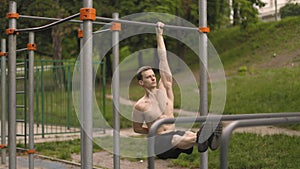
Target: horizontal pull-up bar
{"x":71,"y":19}
{"x":146,"y":23}
{"x":57,"y":19}
{"x":41,"y":28}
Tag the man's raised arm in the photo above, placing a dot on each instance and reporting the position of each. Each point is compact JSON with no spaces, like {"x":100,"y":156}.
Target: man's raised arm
{"x":165,"y":72}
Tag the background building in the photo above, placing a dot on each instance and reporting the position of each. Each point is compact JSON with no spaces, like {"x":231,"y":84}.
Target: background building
{"x":270,"y":11}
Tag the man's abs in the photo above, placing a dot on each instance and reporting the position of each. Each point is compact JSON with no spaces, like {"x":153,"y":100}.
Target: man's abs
{"x":166,"y":128}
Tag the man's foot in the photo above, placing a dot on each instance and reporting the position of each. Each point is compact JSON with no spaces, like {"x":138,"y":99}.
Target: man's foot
{"x":215,"y":139}
{"x":202,"y":147}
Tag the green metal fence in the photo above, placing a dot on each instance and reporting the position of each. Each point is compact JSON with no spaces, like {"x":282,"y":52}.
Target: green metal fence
{"x":53,"y":107}
{"x":54,"y":110}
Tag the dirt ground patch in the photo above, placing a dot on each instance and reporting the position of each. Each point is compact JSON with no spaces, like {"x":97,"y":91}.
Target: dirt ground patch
{"x":105,"y":160}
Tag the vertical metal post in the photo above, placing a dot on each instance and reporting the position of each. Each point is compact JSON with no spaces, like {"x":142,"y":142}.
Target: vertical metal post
{"x":3,"y":102}
{"x":25,"y":108}
{"x":87,"y":102}
{"x":69,"y":95}
{"x":43,"y":99}
{"x":81,"y":100}
{"x":37,"y":97}
{"x":203,"y":72}
{"x":116,"y":94}
{"x":104,"y":91}
{"x":31,"y":100}
{"x":12,"y":88}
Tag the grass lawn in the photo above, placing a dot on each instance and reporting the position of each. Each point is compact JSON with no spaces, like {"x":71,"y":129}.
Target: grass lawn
{"x":250,"y":151}
{"x":246,"y":151}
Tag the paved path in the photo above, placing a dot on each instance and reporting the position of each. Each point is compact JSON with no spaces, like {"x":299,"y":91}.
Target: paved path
{"x":39,"y":163}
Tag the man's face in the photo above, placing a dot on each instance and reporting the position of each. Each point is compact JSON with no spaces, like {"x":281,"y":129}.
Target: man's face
{"x":149,"y":80}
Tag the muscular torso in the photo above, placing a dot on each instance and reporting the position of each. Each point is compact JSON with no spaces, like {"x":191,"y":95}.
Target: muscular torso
{"x":154,"y":107}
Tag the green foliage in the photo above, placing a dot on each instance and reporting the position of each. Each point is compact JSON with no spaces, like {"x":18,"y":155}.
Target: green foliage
{"x":63,"y":37}
{"x":263,"y":92}
{"x":218,"y":14}
{"x":256,"y":44}
{"x":245,"y":12}
{"x":290,"y":9}
{"x":3,"y":20}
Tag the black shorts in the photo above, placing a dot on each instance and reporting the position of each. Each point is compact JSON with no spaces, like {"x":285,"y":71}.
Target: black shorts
{"x":163,"y":146}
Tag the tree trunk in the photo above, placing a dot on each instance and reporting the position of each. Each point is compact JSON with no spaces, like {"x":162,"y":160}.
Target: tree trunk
{"x":236,"y":17}
{"x":58,"y":71}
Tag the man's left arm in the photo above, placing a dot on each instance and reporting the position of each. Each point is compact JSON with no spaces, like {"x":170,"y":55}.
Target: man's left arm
{"x":165,"y":72}
{"x":138,"y":121}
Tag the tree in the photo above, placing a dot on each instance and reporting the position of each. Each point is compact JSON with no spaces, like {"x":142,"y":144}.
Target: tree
{"x":290,"y":9}
{"x":245,"y":11}
{"x":53,"y":46}
{"x":3,"y":20}
{"x":218,"y":14}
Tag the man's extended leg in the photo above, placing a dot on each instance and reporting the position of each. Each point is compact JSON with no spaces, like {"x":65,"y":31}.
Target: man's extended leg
{"x":202,"y":146}
{"x":185,"y":141}
{"x":215,"y":139}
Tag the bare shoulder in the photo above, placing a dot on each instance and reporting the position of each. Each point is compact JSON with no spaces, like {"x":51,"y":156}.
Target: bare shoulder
{"x":140,"y":105}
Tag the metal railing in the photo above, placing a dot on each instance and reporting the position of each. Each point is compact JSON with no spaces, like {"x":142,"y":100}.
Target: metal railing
{"x":54,"y":109}
{"x":262,"y":119}
{"x":248,"y":123}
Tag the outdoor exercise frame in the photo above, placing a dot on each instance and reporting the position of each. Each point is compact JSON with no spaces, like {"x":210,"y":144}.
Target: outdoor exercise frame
{"x":12,"y":31}
{"x":86,"y":89}
{"x":86,"y":79}
{"x":86,"y":84}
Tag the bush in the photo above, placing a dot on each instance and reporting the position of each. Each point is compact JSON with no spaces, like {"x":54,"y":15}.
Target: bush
{"x":290,"y":9}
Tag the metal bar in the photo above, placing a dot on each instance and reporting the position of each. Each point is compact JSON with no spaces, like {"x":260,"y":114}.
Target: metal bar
{"x":104,"y":91}
{"x":25,"y":99}
{"x":248,"y":123}
{"x":21,"y":50}
{"x":146,"y":23}
{"x":31,"y":100}
{"x":20,"y":63}
{"x":12,"y":88}
{"x":158,"y":123}
{"x":37,"y":97}
{"x":41,"y":28}
{"x":87,"y":90}
{"x":20,"y":78}
{"x":100,"y":31}
{"x":20,"y":92}
{"x":43,"y":99}
{"x":116,"y":95}
{"x":3,"y":101}
{"x":203,"y":72}
{"x":57,"y":19}
{"x":20,"y":106}
{"x":68,"y":95}
{"x":81,"y":57}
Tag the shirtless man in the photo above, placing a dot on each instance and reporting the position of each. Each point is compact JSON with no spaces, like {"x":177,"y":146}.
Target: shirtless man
{"x":158,"y":103}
